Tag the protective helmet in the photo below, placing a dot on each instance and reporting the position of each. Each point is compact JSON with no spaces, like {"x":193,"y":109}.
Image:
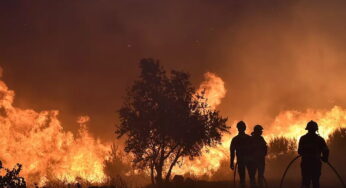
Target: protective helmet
{"x":311,"y":126}
{"x":241,"y":125}
{"x":257,"y":128}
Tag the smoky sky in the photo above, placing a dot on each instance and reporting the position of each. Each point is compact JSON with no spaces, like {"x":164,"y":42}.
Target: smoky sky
{"x":79,"y":57}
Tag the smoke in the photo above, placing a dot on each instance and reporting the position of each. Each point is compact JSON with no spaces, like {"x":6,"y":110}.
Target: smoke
{"x":273,"y":55}
{"x":283,"y":55}
{"x":1,"y":72}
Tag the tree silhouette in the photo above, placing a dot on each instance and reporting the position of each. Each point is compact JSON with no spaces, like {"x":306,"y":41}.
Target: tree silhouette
{"x":164,"y":119}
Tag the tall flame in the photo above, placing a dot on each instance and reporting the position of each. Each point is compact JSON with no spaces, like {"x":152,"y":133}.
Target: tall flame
{"x":37,"y":140}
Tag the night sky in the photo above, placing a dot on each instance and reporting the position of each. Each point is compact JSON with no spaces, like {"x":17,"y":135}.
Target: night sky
{"x":79,"y":57}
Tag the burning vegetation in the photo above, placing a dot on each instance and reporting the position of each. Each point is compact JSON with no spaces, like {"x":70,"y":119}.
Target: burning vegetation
{"x":38,"y":141}
{"x":48,"y":153}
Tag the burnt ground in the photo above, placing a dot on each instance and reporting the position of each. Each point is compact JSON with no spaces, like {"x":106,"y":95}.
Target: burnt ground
{"x":230,"y":184}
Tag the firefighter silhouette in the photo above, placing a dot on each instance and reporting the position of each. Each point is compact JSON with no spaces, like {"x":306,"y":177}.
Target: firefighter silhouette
{"x":240,"y":148}
{"x":313,"y":149}
{"x":258,"y":153}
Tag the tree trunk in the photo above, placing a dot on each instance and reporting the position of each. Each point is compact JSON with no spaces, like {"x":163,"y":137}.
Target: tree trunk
{"x":152,"y":173}
{"x":173,"y":164}
{"x":158,"y":174}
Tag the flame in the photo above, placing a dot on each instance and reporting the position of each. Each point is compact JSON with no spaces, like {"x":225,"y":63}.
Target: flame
{"x":214,"y":88}
{"x":37,"y":140}
{"x":291,"y":124}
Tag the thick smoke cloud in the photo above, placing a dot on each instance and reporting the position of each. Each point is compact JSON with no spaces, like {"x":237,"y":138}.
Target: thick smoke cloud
{"x":79,"y":57}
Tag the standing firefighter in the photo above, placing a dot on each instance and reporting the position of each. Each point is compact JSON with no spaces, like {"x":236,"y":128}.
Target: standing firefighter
{"x":259,"y":152}
{"x":240,"y":147}
{"x":313,"y":149}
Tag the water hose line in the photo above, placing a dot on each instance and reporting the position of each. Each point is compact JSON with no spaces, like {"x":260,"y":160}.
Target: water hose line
{"x":288,"y":166}
{"x":337,"y":174}
{"x":330,"y":165}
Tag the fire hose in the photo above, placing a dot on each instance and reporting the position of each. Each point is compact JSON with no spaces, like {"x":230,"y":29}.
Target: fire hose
{"x":235,"y":175}
{"x":329,"y":164}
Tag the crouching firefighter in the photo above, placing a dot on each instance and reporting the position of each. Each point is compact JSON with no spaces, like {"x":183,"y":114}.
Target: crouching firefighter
{"x":240,"y":147}
{"x":313,"y":149}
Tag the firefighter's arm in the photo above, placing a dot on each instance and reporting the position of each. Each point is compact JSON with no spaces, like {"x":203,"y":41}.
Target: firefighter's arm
{"x":300,"y":147}
{"x":325,"y":151}
{"x":265,"y":147}
{"x":232,"y":151}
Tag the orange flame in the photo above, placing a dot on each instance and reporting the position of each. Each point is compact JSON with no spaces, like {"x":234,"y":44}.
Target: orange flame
{"x":214,"y":88}
{"x":37,"y":140}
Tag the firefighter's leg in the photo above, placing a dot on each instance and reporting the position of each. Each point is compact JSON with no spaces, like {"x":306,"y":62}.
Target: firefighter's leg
{"x":261,"y":167}
{"x":306,"y":175}
{"x":252,"y":169}
{"x":316,"y":173}
{"x":241,"y":172}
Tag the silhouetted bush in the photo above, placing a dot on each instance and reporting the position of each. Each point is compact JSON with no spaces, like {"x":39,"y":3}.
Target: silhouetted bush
{"x":281,"y":151}
{"x":337,"y":146}
{"x":12,"y":178}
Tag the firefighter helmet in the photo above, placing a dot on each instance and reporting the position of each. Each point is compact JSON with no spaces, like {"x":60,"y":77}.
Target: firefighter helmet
{"x":311,"y":126}
{"x":258,"y":128}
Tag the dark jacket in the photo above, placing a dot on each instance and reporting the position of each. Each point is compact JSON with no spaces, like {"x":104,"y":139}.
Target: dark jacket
{"x":259,"y":147}
{"x":313,"y":147}
{"x":240,"y":146}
